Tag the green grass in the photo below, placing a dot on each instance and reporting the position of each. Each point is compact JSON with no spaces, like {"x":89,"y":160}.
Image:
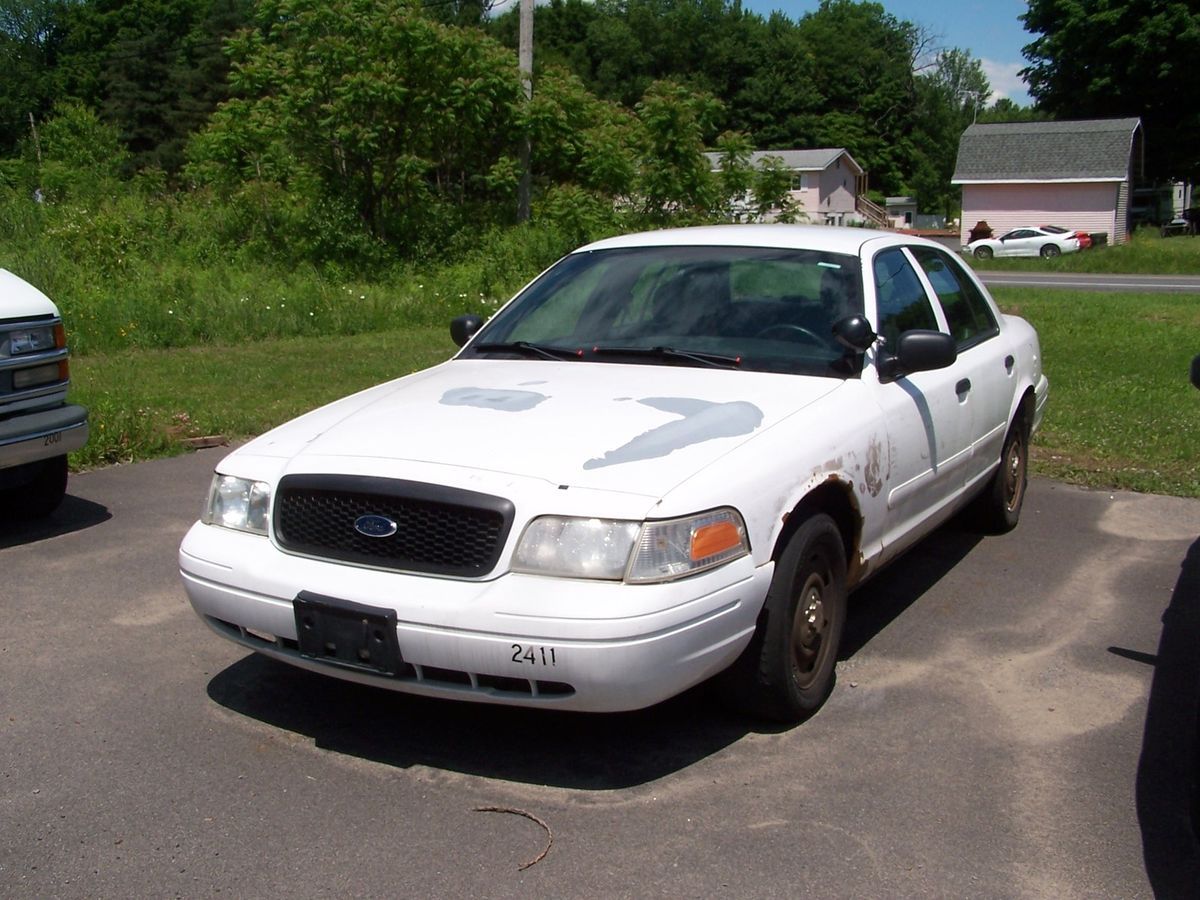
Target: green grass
{"x":1145,"y":254}
{"x":148,"y":403}
{"x":1122,"y":413}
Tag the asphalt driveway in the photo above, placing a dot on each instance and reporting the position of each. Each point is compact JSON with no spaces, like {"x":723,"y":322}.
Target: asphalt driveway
{"x":1014,"y":716}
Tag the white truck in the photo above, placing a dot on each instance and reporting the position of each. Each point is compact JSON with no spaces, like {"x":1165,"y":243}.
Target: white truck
{"x":38,"y":428}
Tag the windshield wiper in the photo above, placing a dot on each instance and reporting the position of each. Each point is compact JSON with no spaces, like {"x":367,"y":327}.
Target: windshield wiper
{"x":709,"y":359}
{"x":526,"y":348}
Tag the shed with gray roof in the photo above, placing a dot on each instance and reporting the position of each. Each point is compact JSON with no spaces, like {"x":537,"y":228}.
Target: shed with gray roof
{"x":1077,"y":174}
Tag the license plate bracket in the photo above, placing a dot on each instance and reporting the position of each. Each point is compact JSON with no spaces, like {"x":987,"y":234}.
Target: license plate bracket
{"x":346,"y":633}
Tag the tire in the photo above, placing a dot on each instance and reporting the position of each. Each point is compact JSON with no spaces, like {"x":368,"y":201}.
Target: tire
{"x":787,"y":671}
{"x":1049,"y":251}
{"x":39,"y":496}
{"x":998,"y":509}
{"x":983,"y":253}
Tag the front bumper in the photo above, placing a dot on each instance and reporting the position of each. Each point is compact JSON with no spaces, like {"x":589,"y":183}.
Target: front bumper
{"x":517,"y":639}
{"x":29,"y":437}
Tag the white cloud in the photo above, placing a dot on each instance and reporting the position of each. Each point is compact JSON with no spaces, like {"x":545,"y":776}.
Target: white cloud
{"x":1005,"y":81}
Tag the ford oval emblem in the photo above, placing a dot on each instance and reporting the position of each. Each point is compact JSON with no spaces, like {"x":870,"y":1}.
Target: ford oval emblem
{"x":375,"y":526}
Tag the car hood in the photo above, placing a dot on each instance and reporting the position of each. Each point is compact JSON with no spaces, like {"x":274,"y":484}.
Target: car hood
{"x":629,"y":428}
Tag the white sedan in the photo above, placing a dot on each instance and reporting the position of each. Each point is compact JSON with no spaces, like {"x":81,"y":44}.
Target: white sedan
{"x":1042,"y":240}
{"x":670,"y":457}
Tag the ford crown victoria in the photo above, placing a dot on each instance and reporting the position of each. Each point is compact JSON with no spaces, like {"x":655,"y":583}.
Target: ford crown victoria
{"x":670,"y":457}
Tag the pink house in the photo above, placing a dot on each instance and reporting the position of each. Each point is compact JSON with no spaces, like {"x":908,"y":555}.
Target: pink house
{"x":1076,"y":174}
{"x":828,"y":186}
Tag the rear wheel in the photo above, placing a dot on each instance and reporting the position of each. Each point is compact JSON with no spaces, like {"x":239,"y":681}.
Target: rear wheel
{"x":998,"y":508}
{"x":1050,"y":251}
{"x":983,"y":252}
{"x":787,"y":671}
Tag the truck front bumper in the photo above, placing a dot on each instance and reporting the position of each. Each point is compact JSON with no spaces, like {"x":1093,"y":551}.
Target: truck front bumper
{"x":30,"y":437}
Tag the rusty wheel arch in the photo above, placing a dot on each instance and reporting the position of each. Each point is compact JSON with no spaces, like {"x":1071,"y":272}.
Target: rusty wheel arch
{"x":834,"y":497}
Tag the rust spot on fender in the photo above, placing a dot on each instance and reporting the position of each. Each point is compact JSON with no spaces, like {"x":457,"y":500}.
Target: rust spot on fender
{"x":872,"y":472}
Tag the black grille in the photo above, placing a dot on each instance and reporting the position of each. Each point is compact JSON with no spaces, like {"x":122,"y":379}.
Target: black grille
{"x":443,"y":531}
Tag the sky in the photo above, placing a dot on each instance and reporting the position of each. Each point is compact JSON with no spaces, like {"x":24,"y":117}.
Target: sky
{"x":989,"y":29}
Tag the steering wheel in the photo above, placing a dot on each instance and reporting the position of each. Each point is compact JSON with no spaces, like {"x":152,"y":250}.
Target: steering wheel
{"x":788,"y":330}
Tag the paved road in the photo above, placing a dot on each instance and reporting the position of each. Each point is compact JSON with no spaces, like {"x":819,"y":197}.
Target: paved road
{"x":1014,"y":716}
{"x":1169,"y":284}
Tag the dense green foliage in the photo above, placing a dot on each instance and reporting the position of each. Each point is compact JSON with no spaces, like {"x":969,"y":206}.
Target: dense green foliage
{"x":1106,"y":58}
{"x":360,"y":132}
{"x":898,"y":107}
{"x":153,"y":69}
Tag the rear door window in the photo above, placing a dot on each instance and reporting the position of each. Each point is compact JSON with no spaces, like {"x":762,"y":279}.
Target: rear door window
{"x":967,"y":313}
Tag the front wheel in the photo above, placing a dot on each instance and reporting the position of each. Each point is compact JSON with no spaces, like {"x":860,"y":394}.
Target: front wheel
{"x":40,"y":495}
{"x":983,"y":252}
{"x":787,"y":671}
{"x":1050,"y":251}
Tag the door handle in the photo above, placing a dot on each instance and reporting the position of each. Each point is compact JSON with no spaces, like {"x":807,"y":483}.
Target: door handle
{"x":963,"y":387}
{"x":1009,"y":362}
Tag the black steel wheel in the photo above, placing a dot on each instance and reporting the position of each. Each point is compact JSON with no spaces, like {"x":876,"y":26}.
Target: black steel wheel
{"x":787,"y":671}
{"x":40,"y":495}
{"x":998,"y":508}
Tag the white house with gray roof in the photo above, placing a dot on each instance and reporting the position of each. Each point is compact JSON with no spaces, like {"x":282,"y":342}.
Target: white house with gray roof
{"x":1076,"y":174}
{"x":827,"y":184}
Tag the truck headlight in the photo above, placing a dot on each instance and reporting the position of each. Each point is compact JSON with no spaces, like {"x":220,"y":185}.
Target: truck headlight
{"x":238,"y":503}
{"x":636,"y":552}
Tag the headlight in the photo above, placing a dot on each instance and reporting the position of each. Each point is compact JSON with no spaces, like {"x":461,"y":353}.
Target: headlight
{"x":238,"y":503}
{"x":33,"y":340}
{"x":677,"y":547}
{"x":637,"y":552}
{"x":576,"y":548}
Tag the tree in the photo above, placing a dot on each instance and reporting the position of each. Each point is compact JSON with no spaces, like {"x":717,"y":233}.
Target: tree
{"x":674,"y":181}
{"x":81,"y":156}
{"x":1110,"y":58}
{"x":29,"y":34}
{"x":949,"y":95}
{"x":866,"y":85}
{"x":411,"y":122}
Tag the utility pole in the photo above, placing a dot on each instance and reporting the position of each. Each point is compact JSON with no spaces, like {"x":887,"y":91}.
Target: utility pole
{"x":525,"y":65}
{"x":37,"y":144}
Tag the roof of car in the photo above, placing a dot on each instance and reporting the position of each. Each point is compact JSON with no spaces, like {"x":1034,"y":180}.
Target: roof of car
{"x":824,"y":238}
{"x":1079,"y":150}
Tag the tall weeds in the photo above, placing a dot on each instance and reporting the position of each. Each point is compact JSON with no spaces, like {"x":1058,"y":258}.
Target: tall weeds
{"x":132,"y":270}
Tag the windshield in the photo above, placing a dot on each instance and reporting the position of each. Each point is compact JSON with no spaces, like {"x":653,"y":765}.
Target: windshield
{"x":752,"y":308}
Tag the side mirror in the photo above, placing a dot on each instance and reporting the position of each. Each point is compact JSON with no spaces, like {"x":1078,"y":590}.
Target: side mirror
{"x":854,"y":333}
{"x":1196,"y":370}
{"x":918,"y":351}
{"x":463,"y":328}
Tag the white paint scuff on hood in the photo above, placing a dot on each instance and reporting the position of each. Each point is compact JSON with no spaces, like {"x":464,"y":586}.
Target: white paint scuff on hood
{"x":605,"y":426}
